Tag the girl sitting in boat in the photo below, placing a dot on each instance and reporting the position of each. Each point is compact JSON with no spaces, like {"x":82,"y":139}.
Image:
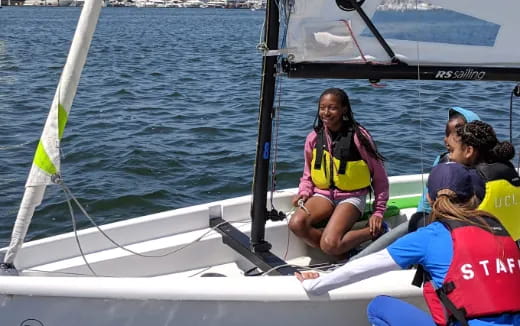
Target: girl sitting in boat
{"x":341,"y":164}
{"x":457,"y":117}
{"x":475,"y":144}
{"x":467,"y":254}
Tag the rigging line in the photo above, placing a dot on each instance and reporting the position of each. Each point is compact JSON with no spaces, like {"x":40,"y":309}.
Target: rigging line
{"x":347,"y":24}
{"x":287,"y":216}
{"x":354,"y":39}
{"x":324,"y":269}
{"x":276,"y":130}
{"x":301,"y":204}
{"x":134,"y":252}
{"x":279,"y":92}
{"x":283,"y":10}
{"x":201,"y":271}
{"x":421,"y":145}
{"x":261,"y":43}
{"x":287,"y":243}
{"x":73,"y":217}
{"x":266,"y":273}
{"x":58,"y":272}
{"x":374,"y":31}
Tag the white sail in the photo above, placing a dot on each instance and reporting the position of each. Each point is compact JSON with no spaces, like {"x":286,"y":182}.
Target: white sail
{"x":46,"y":163}
{"x":318,"y":32}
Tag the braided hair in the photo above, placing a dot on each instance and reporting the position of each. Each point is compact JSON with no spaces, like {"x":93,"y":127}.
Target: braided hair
{"x":348,"y":121}
{"x":483,"y":138}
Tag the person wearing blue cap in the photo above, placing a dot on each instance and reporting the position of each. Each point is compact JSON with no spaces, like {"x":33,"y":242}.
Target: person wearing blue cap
{"x":457,"y":116}
{"x":471,"y":263}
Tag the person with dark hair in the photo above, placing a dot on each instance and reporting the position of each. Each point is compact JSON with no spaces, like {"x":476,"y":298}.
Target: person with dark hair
{"x":471,"y":263}
{"x":475,"y":144}
{"x":457,"y":116}
{"x":342,"y":163}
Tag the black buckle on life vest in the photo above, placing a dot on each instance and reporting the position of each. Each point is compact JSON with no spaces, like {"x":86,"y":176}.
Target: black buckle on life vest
{"x":448,"y":287}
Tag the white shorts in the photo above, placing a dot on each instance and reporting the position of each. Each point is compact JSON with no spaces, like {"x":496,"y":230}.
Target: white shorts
{"x":359,"y":202}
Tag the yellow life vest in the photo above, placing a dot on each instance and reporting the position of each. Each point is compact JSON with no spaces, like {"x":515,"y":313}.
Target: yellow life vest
{"x":502,"y":197}
{"x":349,"y":171}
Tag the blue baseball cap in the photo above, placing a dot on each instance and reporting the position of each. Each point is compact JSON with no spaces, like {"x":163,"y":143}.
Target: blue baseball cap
{"x":458,"y":178}
{"x":467,"y":114}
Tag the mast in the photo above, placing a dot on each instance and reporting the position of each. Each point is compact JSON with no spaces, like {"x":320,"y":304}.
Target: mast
{"x":256,"y":249}
{"x":263,"y":146}
{"x":46,"y":164}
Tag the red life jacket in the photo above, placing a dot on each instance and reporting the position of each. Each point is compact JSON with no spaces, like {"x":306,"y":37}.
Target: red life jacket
{"x":483,"y":278}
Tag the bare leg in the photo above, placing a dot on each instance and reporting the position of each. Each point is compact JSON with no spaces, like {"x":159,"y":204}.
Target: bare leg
{"x":301,"y":223}
{"x":337,"y":237}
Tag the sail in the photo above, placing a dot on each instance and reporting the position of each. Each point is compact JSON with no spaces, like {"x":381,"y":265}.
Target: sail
{"x":46,"y":162}
{"x":416,"y":32}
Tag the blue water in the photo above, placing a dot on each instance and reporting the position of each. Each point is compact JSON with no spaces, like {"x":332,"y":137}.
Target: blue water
{"x":166,"y":112}
{"x":435,"y":26}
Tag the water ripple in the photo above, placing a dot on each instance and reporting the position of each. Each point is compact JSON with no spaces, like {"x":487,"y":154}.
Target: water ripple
{"x":166,"y":112}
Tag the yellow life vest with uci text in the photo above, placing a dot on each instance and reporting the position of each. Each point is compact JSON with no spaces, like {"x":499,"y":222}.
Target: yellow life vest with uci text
{"x":502,"y":197}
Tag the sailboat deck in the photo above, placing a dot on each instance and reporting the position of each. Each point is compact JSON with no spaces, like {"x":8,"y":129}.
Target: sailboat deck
{"x":173,"y":256}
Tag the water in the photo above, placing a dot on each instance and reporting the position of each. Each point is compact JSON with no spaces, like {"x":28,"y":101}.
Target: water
{"x":166,"y":112}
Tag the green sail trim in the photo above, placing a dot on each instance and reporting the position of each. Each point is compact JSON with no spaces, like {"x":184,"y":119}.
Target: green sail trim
{"x":41,"y":158}
{"x":62,"y":120}
{"x":43,"y":161}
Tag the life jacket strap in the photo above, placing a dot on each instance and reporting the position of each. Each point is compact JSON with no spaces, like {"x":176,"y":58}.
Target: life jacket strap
{"x":345,"y":150}
{"x":342,"y":167}
{"x":448,"y":287}
{"x":419,"y":277}
{"x":319,"y":158}
{"x":457,"y":314}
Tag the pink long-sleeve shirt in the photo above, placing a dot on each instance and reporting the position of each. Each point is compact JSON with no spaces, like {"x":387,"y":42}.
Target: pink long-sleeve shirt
{"x":377,"y":172}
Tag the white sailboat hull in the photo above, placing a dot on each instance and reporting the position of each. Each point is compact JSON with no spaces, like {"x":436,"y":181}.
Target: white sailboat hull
{"x":55,"y":287}
{"x":196,"y":301}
